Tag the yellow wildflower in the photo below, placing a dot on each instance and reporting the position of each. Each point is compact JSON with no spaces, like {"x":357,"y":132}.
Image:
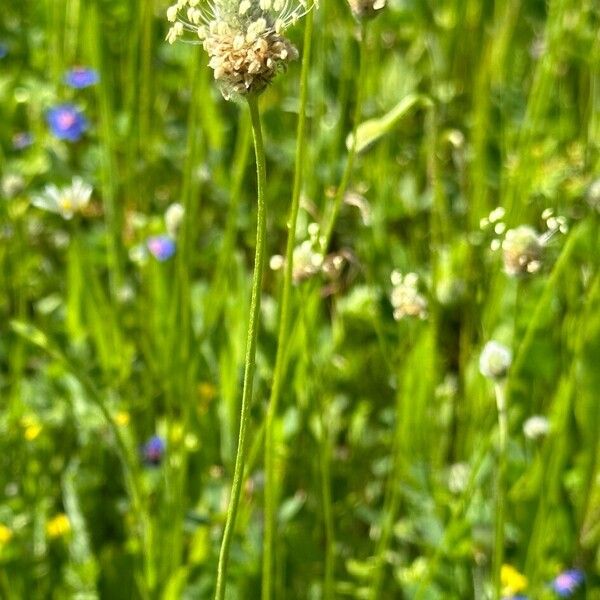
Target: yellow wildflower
{"x":513,"y":582}
{"x":58,"y":526}
{"x":5,"y":534}
{"x":32,"y":431}
{"x":122,"y":418}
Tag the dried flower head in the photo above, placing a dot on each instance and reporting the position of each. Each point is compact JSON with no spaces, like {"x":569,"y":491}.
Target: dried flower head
{"x":366,"y":9}
{"x":243,"y":38}
{"x":405,"y":296}
{"x":522,"y":251}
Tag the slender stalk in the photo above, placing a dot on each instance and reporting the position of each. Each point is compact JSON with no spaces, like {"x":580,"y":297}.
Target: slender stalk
{"x":500,"y":484}
{"x":284,"y":328}
{"x":325,"y":468}
{"x":251,"y":340}
{"x":341,"y":191}
{"x":391,"y":502}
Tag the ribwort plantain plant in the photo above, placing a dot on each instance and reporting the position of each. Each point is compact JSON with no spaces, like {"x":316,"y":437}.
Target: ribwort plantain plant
{"x":247,"y":48}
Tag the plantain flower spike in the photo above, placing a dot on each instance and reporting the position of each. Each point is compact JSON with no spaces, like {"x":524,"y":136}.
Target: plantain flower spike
{"x":243,"y":38}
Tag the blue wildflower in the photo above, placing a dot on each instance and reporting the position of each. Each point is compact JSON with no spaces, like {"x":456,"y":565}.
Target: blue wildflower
{"x":81,"y":77}
{"x":153,"y":450}
{"x":66,"y":122}
{"x":3,"y":50}
{"x":22,"y":140}
{"x":162,"y":247}
{"x":566,"y":583}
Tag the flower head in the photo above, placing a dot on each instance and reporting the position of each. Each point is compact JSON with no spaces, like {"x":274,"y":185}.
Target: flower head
{"x":173,"y":218}
{"x":162,"y":247}
{"x":405,"y":296}
{"x":81,"y":77}
{"x":522,"y":251}
{"x":66,"y":122}
{"x":6,"y":534}
{"x":122,"y":418}
{"x":22,"y":140}
{"x":495,"y":360}
{"x":567,"y":582}
{"x":243,"y":38}
{"x":58,"y":526}
{"x":153,"y":450}
{"x":66,"y":201}
{"x":536,"y":427}
{"x":513,"y":582}
{"x":11,"y":185}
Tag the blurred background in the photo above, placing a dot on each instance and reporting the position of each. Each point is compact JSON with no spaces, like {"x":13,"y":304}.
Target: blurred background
{"x":127,"y":211}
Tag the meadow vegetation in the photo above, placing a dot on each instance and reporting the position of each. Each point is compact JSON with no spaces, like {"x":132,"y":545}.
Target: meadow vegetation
{"x":420,"y":362}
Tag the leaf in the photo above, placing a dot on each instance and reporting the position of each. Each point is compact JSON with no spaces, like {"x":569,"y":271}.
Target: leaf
{"x":31,"y":333}
{"x":370,"y":131}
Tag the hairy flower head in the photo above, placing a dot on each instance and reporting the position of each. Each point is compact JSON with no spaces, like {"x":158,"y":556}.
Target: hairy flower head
{"x":243,"y":38}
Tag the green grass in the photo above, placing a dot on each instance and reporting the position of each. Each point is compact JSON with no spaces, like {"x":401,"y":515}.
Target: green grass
{"x":372,"y":463}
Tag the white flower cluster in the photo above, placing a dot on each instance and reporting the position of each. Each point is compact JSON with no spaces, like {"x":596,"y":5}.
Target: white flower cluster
{"x":308,"y":260}
{"x":405,"y":296}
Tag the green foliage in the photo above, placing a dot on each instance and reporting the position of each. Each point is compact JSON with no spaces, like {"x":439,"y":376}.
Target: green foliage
{"x":386,"y":438}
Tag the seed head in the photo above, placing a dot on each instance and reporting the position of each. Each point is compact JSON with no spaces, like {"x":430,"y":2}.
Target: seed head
{"x":243,"y":38}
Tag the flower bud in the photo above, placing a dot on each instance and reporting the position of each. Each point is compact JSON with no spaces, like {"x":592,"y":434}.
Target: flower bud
{"x":495,"y":360}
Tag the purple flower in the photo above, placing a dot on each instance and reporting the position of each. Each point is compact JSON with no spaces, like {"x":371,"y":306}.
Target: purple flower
{"x":3,"y":50}
{"x":22,"y":140}
{"x":66,"y":122}
{"x":567,"y":582}
{"x":81,"y":77}
{"x":162,"y":247}
{"x":153,"y":450}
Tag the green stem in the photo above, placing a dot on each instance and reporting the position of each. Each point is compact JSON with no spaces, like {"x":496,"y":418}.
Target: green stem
{"x":500,"y":485}
{"x":250,"y":361}
{"x":391,"y":502}
{"x":284,"y":329}
{"x":341,"y":191}
{"x":325,"y":464}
